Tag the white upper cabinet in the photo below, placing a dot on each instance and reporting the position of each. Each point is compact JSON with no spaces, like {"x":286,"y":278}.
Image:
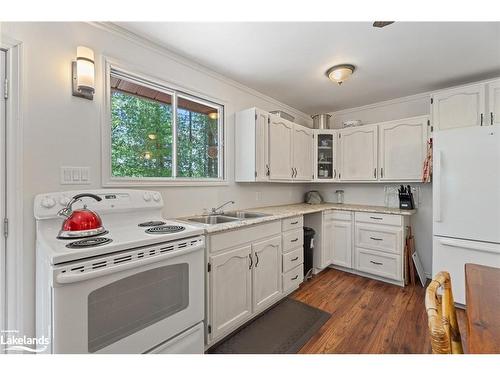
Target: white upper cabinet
{"x":459,"y":107}
{"x":325,"y":155}
{"x":402,"y":149}
{"x":252,"y":145}
{"x":493,"y":117}
{"x":280,"y":148}
{"x":302,"y":153}
{"x":358,"y":153}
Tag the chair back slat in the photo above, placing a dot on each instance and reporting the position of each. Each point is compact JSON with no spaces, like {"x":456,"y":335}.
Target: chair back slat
{"x":442,"y":317}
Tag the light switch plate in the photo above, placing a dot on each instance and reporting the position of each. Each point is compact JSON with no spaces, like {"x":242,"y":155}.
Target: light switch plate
{"x":75,"y":175}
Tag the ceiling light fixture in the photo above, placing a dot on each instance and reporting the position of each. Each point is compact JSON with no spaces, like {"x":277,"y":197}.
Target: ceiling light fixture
{"x":339,"y":73}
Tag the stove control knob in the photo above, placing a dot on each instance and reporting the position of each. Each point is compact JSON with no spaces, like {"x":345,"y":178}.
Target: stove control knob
{"x":156,"y":197}
{"x":64,"y":200}
{"x":146,"y":197}
{"x":48,"y":202}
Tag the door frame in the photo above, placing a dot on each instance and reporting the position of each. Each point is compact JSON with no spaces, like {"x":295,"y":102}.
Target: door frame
{"x":14,"y":187}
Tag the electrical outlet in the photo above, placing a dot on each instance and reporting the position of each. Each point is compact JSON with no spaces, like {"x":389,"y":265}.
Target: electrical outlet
{"x":75,"y":175}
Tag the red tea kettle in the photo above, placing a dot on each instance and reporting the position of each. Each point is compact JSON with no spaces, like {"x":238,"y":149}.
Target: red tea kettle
{"x":80,"y":223}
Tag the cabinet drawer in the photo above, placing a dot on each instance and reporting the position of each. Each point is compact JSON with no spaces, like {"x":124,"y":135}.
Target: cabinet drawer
{"x":293,"y":259}
{"x":293,"y":240}
{"x":368,"y":217}
{"x":224,"y":240}
{"x":293,"y":278}
{"x":379,"y":237}
{"x":292,"y":223}
{"x":377,"y":263}
{"x":338,"y":215}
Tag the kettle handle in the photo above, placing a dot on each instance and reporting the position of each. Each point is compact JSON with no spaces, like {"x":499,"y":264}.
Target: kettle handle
{"x":66,"y":211}
{"x":96,"y":197}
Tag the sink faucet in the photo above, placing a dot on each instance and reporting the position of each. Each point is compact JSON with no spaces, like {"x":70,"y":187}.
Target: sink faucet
{"x":218,"y":210}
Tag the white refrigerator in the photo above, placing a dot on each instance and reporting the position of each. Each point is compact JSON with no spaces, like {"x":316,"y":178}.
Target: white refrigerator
{"x":466,"y":202}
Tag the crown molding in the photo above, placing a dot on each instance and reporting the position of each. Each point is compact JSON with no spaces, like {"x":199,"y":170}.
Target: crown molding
{"x":163,"y":50}
{"x":404,"y":99}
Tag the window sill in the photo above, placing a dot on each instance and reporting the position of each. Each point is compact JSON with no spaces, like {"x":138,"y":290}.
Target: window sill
{"x":162,"y":183}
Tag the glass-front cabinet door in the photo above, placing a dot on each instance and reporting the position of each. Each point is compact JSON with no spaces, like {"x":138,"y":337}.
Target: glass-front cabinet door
{"x":326,"y":156}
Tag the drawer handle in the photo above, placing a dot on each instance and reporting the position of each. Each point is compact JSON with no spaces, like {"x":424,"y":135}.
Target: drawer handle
{"x":295,"y":240}
{"x":295,"y":222}
{"x":376,"y":218}
{"x":377,"y":263}
{"x":294,"y":259}
{"x":376,"y":239}
{"x":295,"y":278}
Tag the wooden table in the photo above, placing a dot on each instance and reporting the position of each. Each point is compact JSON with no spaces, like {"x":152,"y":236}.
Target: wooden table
{"x":482,"y":291}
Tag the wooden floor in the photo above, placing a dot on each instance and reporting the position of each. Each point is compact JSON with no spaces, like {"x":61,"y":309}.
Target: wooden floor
{"x":368,"y":316}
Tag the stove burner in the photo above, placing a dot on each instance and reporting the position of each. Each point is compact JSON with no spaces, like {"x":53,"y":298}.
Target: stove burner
{"x":90,"y":242}
{"x":152,"y":223}
{"x":165,"y":229}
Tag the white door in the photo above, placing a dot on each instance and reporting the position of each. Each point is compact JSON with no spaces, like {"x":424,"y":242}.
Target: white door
{"x":3,"y":198}
{"x":302,"y":153}
{"x":342,"y":243}
{"x":261,"y":145}
{"x":466,"y":183}
{"x":266,"y":272}
{"x":358,"y":153}
{"x":402,"y":149}
{"x":459,"y":107}
{"x":280,"y":148}
{"x":230,"y":289}
{"x":494,"y":103}
{"x":451,"y":255}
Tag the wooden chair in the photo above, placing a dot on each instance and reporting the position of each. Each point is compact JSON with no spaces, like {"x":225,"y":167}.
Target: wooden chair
{"x":442,"y":317}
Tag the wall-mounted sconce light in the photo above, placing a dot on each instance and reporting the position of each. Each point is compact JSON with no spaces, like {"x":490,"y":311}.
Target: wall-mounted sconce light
{"x":83,"y":73}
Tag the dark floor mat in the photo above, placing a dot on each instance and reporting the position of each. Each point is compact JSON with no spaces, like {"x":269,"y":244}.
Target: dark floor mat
{"x":283,"y":329}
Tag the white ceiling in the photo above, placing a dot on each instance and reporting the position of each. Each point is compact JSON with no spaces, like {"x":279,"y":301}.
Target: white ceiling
{"x":288,"y":61}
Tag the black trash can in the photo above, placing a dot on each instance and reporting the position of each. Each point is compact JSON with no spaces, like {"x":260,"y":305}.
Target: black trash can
{"x":308,"y":252}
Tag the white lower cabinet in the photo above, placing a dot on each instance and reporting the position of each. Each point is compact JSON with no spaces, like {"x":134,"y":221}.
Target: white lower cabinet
{"x":231,"y":289}
{"x":369,"y":244}
{"x":341,"y":231}
{"x":246,"y":274}
{"x":266,"y":272}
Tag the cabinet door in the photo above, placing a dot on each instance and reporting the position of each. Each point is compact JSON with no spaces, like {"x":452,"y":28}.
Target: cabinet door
{"x":402,"y":149}
{"x":459,"y":107}
{"x":230,"y":289}
{"x":261,"y":145}
{"x":358,"y":153}
{"x":325,"y":155}
{"x":266,"y":272}
{"x":342,"y":243}
{"x":327,"y":242}
{"x":494,"y":103}
{"x":302,"y":153}
{"x":280,"y":148}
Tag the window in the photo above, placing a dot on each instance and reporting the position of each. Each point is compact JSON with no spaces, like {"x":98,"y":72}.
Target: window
{"x":162,"y":134}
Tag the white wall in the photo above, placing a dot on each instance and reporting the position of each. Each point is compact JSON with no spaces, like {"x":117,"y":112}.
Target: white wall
{"x":373,"y":193}
{"x":62,"y":130}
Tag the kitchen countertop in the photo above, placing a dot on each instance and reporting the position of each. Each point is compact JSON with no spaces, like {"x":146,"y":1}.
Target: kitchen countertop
{"x":290,"y":210}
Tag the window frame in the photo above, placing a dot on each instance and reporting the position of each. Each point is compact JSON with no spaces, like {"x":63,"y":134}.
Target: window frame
{"x":108,"y":180}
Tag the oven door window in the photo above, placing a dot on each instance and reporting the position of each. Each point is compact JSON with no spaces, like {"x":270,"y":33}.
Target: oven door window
{"x":128,"y":305}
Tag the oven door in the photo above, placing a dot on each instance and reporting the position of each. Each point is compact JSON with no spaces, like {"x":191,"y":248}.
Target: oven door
{"x":130,"y":301}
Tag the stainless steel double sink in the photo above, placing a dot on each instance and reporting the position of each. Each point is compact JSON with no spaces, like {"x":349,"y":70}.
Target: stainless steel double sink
{"x":226,"y":217}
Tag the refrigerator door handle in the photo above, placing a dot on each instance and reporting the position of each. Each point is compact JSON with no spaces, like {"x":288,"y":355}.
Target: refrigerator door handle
{"x":437,"y":186}
{"x":470,"y":245}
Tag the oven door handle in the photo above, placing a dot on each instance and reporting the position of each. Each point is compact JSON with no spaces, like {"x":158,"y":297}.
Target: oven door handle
{"x":68,"y":278}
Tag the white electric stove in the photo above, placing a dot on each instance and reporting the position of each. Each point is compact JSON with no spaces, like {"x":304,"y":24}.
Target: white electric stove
{"x":137,"y":288}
